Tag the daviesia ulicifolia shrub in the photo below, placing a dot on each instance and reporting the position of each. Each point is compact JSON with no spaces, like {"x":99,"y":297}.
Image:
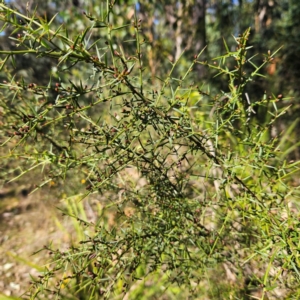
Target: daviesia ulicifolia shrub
{"x":194,"y":184}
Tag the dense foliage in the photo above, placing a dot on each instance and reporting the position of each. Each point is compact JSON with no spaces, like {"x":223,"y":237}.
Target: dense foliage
{"x":192,"y":176}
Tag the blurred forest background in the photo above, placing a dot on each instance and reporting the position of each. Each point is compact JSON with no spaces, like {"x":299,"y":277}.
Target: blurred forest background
{"x":169,"y":27}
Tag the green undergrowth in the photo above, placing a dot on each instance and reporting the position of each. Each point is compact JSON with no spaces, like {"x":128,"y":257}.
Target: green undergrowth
{"x":187,"y":192}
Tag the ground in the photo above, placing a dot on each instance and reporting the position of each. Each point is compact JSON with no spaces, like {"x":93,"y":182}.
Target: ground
{"x":27,"y":222}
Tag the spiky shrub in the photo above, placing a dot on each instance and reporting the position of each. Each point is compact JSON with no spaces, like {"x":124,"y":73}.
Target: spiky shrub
{"x":193,"y":183}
